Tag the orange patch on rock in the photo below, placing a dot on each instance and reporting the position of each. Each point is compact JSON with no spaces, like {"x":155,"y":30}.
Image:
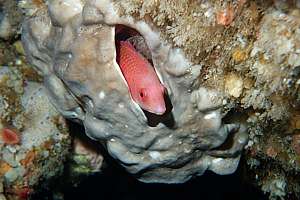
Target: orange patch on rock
{"x":24,"y":193}
{"x":4,"y":167}
{"x":296,"y":143}
{"x":48,"y":144}
{"x":226,"y":16}
{"x":295,"y":122}
{"x":271,"y":152}
{"x":38,"y":3}
{"x":19,"y":192}
{"x":9,"y":136}
{"x":30,"y":156}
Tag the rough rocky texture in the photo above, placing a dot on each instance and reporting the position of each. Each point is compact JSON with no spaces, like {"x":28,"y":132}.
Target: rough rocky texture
{"x":72,"y":44}
{"x":273,"y":150}
{"x":10,"y":18}
{"x":39,"y":141}
{"x":249,"y":57}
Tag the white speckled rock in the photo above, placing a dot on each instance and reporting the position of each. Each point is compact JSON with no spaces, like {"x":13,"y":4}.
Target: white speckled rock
{"x":43,"y":142}
{"x":5,"y":28}
{"x":74,"y":47}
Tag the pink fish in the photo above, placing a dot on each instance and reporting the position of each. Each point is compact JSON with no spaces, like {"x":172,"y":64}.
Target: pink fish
{"x":143,"y":83}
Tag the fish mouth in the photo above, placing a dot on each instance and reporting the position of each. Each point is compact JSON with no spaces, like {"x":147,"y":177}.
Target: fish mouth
{"x":158,"y":110}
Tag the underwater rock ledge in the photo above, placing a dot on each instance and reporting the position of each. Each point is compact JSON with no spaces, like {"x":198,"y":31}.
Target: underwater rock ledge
{"x":73,"y":45}
{"x":231,"y":70}
{"x":34,"y":138}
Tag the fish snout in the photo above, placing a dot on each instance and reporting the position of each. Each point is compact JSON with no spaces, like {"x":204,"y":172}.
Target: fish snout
{"x":160,"y":110}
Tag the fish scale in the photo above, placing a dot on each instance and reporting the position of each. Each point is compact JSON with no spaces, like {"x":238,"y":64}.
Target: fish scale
{"x":132,"y":62}
{"x":130,"y":56}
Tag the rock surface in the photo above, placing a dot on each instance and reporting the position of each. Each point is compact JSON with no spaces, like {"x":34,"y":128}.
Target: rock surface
{"x":10,"y":19}
{"x":73,"y":45}
{"x":34,"y":138}
{"x":248,"y":56}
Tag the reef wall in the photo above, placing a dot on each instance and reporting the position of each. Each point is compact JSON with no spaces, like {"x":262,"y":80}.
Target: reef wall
{"x":34,"y":138}
{"x":230,"y":68}
{"x":73,"y":45}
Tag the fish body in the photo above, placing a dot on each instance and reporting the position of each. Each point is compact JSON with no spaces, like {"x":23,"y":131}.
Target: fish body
{"x":142,"y":80}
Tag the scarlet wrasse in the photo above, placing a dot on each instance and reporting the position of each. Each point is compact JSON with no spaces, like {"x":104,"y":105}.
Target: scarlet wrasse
{"x":142,"y":80}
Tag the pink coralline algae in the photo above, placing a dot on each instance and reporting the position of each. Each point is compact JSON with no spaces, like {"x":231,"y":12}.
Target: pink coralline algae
{"x":10,"y":136}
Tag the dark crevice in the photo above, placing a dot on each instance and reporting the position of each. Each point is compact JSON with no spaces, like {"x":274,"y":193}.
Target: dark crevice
{"x":124,"y":32}
{"x":117,"y":184}
{"x":167,"y":119}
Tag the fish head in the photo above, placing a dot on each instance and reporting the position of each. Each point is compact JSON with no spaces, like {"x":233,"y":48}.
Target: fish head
{"x":151,"y":99}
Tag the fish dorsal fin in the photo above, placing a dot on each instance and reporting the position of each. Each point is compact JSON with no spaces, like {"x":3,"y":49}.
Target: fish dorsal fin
{"x":127,"y":44}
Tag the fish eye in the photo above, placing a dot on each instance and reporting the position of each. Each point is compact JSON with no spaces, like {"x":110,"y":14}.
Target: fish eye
{"x":142,"y":93}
